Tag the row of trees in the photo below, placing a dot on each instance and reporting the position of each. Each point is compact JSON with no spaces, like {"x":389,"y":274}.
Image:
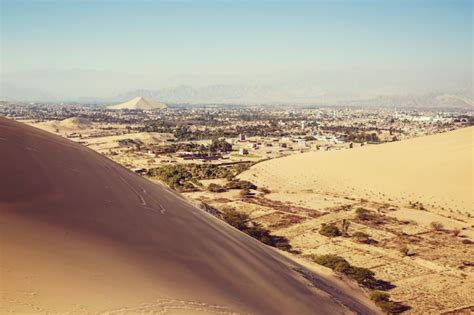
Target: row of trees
{"x":187,"y":176}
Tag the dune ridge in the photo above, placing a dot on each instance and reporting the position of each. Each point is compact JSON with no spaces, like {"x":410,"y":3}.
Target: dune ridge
{"x":436,"y":170}
{"x":82,"y":234}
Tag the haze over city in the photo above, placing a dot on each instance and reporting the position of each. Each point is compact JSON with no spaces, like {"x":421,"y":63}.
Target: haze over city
{"x":246,"y":51}
{"x":267,"y":157}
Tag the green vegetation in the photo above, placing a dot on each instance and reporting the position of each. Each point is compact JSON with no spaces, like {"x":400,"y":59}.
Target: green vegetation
{"x":175,"y":176}
{"x":250,"y":156}
{"x":383,"y":301}
{"x":330,"y":230}
{"x":240,"y":184}
{"x":175,"y":147}
{"x":180,"y":176}
{"x":242,"y":222}
{"x":185,"y":133}
{"x":220,"y":145}
{"x":216,"y":188}
{"x":363,"y":276}
{"x":217,"y":145}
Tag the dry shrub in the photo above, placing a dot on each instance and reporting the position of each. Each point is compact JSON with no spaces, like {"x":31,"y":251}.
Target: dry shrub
{"x":436,"y":226}
{"x":383,"y":301}
{"x":330,"y":230}
{"x":363,"y":238}
{"x":456,"y":232}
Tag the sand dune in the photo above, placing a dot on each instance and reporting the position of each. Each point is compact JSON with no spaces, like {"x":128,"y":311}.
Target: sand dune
{"x":139,"y":103}
{"x":143,"y":137}
{"x":73,"y":124}
{"x":81,"y":234}
{"x":435,"y":170}
{"x":76,"y":123}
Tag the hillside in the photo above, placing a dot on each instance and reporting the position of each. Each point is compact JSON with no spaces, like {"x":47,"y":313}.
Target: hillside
{"x":406,"y":209}
{"x":435,"y":170}
{"x":76,"y":123}
{"x":139,"y":103}
{"x":68,"y":125}
{"x":82,"y":234}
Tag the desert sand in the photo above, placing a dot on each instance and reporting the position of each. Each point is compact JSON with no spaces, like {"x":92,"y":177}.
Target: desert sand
{"x":139,"y":103}
{"x":82,"y":234}
{"x":409,"y":184}
{"x":73,"y":124}
{"x":435,"y":170}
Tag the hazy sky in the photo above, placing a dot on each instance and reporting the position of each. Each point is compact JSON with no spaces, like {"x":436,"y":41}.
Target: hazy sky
{"x":100,"y":48}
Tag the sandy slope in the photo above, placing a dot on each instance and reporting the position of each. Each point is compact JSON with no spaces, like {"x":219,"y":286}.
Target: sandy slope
{"x":82,"y":234}
{"x":139,"y":103}
{"x":76,"y":123}
{"x":435,"y":170}
{"x":73,"y":124}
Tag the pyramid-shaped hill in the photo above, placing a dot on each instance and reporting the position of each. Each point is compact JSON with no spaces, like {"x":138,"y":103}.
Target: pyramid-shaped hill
{"x":81,"y":234}
{"x":139,"y":103}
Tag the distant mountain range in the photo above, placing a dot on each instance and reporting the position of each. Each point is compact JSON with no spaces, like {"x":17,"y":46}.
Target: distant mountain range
{"x":432,"y":100}
{"x":232,"y":94}
{"x":255,"y":94}
{"x":267,"y":95}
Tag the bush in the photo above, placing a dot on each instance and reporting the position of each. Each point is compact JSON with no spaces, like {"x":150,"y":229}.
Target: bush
{"x":365,"y":215}
{"x":245,"y":193}
{"x":173,"y":175}
{"x":331,"y":261}
{"x":363,"y":276}
{"x":187,"y":187}
{"x":437,"y":226}
{"x":210,"y":209}
{"x":330,"y":230}
{"x":345,"y":227}
{"x":242,"y":222}
{"x":241,"y":184}
{"x":383,"y":301}
{"x":362,"y":237}
{"x":236,"y":219}
{"x":216,"y":188}
{"x":176,"y":175}
{"x":378,"y":296}
{"x":264,"y":190}
{"x":220,"y":145}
